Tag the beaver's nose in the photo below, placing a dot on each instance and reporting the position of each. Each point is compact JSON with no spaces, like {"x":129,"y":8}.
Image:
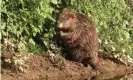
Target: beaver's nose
{"x":60,"y":26}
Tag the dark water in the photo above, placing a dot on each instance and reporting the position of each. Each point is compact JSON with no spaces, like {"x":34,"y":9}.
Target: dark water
{"x":110,"y":77}
{"x":107,"y":76}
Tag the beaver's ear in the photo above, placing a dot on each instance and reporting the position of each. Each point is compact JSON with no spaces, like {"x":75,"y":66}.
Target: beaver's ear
{"x":72,"y":15}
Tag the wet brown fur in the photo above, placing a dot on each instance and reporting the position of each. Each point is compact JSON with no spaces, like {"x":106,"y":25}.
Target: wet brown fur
{"x":78,"y":32}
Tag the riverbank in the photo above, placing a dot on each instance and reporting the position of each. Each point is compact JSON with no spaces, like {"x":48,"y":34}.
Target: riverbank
{"x":58,"y":68}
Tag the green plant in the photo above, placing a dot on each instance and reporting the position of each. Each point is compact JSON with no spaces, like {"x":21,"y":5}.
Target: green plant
{"x":32,"y":23}
{"x":114,"y":21}
{"x":28,"y":21}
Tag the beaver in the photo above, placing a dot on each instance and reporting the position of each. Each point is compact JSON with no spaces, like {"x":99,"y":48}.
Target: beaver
{"x":78,"y":32}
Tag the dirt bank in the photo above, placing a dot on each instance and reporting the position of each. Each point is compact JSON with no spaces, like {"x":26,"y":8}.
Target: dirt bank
{"x":55,"y":68}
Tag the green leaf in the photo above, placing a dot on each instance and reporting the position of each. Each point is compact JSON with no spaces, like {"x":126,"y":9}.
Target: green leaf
{"x":31,"y":41}
{"x":54,"y":1}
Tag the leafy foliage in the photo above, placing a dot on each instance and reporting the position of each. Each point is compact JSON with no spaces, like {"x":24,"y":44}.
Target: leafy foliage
{"x":114,"y":21}
{"x":32,"y":23}
{"x":27,"y":21}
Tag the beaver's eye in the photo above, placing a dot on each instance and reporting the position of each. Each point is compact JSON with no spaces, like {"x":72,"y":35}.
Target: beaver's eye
{"x":57,"y":22}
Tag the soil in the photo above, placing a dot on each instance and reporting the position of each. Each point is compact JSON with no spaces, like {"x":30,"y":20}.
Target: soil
{"x":58,"y":68}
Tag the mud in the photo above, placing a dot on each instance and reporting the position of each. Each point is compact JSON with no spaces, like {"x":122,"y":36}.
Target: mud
{"x":57,"y":68}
